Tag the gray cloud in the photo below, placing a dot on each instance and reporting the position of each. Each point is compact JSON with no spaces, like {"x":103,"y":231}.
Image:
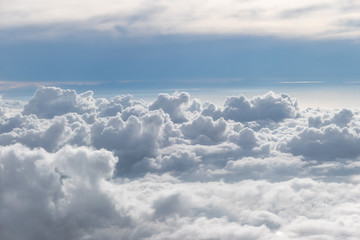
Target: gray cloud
{"x":268,"y":107}
{"x":172,"y":105}
{"x":50,"y":101}
{"x":326,"y":144}
{"x":77,"y":167}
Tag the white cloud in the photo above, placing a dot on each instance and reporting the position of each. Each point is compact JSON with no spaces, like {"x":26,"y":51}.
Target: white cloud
{"x":50,"y":101}
{"x":326,"y":144}
{"x":341,"y":119}
{"x":204,"y":130}
{"x":77,"y":167}
{"x":324,"y":19}
{"x":268,"y":107}
{"x":54,"y":196}
{"x":173,"y":105}
{"x":8,"y":85}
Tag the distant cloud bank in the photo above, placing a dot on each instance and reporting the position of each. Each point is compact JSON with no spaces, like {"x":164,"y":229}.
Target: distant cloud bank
{"x":325,"y":19}
{"x":77,"y":167}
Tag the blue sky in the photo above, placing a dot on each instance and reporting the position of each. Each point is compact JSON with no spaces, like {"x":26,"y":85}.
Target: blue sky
{"x":244,"y":119}
{"x":157,"y":47}
{"x":169,"y":62}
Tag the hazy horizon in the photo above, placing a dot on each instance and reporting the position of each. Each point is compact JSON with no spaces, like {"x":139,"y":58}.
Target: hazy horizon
{"x":234,"y":119}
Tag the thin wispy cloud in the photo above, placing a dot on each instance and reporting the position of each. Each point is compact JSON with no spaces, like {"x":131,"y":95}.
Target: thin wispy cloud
{"x":7,"y":85}
{"x":302,"y":82}
{"x":304,"y":11}
{"x":353,"y":82}
{"x":134,"y":18}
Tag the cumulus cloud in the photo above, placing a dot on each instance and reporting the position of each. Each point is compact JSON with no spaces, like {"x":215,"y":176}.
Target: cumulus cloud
{"x":56,"y":196}
{"x":173,"y":105}
{"x":77,"y":167}
{"x":327,"y":143}
{"x":204,"y":130}
{"x":257,"y":111}
{"x":48,"y":102}
{"x":341,"y":119}
{"x":268,"y":107}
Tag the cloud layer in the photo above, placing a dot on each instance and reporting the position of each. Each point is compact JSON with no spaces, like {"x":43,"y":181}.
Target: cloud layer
{"x":323,"y":19}
{"x":77,"y":167}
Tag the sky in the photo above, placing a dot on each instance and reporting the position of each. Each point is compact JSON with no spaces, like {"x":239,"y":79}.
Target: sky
{"x":159,"y":46}
{"x":175,"y":120}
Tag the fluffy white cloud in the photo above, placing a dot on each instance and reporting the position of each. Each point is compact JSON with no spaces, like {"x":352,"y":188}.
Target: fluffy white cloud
{"x":204,"y":130}
{"x":268,"y":107}
{"x":341,"y":119}
{"x":326,"y":144}
{"x":50,"y":101}
{"x":116,"y":105}
{"x":56,"y":196}
{"x":173,"y":105}
{"x":76,"y":167}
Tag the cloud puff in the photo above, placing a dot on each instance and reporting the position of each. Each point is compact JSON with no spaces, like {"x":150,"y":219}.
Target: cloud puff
{"x":268,"y":107}
{"x":173,"y":105}
{"x":327,"y":144}
{"x":116,"y":105}
{"x":204,"y":130}
{"x":77,"y":167}
{"x":341,"y":119}
{"x":56,"y":196}
{"x":50,"y":101}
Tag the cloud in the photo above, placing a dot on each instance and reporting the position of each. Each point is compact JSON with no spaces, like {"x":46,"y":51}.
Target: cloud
{"x":8,"y":85}
{"x":341,"y":119}
{"x":56,"y":196}
{"x":303,"y":82}
{"x":51,"y":101}
{"x":299,"y":12}
{"x":204,"y":130}
{"x":268,"y":107}
{"x":121,"y":18}
{"x":78,"y":167}
{"x":172,"y":105}
{"x":328,"y":143}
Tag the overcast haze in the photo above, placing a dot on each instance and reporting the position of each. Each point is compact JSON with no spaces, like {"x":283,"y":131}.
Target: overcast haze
{"x":179,"y":119}
{"x":321,"y":19}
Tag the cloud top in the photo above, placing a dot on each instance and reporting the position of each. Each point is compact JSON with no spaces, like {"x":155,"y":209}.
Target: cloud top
{"x":73,"y":166}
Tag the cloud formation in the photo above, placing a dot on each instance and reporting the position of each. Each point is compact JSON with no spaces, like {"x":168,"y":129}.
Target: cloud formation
{"x":325,"y":19}
{"x":77,"y":167}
